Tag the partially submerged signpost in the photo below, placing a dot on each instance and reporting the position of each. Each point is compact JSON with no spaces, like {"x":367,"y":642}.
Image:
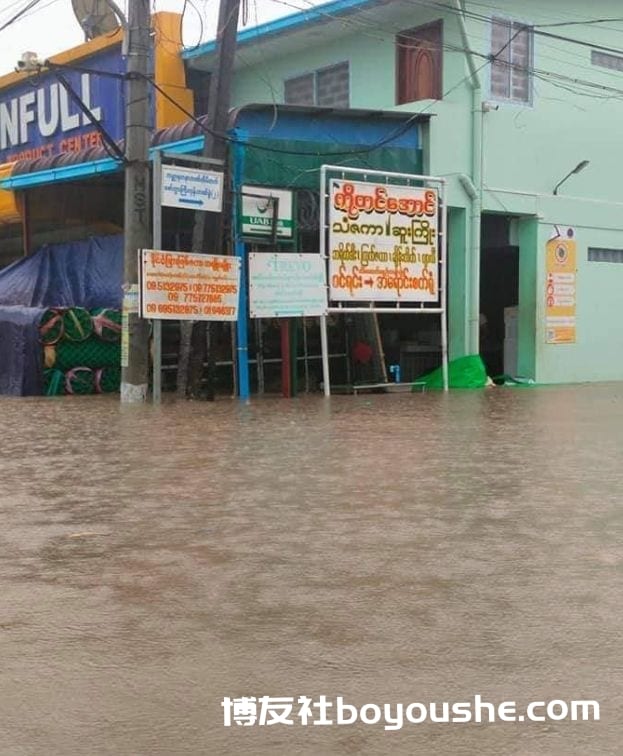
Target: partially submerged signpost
{"x":383,"y":236}
{"x":192,"y":188}
{"x":382,"y":250}
{"x":277,"y":279}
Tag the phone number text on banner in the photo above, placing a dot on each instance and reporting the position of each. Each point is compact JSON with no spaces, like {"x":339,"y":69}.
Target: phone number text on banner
{"x":183,"y":286}
{"x":383,"y":242}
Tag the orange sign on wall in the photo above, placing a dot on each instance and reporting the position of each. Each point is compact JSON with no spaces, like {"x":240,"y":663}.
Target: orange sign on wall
{"x":560,"y":287}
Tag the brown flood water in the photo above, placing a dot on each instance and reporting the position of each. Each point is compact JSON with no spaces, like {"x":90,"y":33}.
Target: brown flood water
{"x":388,"y":549}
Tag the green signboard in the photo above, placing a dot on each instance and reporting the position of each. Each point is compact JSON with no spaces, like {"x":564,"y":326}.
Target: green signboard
{"x":257,"y":212}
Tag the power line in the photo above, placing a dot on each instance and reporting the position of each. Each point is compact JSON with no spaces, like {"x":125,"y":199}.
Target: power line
{"x":185,"y":6}
{"x":370,"y":27}
{"x":403,"y":128}
{"x":18,"y":15}
{"x":528,"y":69}
{"x":576,"y":85}
{"x":579,"y":19}
{"x":542,"y":74}
{"x":361,"y":21}
{"x":10,"y":5}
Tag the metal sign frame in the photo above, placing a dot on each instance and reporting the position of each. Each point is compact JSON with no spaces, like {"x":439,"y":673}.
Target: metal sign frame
{"x":328,"y":172}
{"x":273,"y":238}
{"x":159,"y":157}
{"x":258,"y":239}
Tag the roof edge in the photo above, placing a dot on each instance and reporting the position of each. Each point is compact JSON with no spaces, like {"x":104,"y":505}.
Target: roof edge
{"x":393,"y":115}
{"x":285,"y":24}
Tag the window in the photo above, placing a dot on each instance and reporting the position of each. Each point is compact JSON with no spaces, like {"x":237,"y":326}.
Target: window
{"x":419,"y":63}
{"x":599,"y":254}
{"x":300,"y":91}
{"x":327,"y":87}
{"x":605,"y":60}
{"x":511,"y":50}
{"x":199,"y":83}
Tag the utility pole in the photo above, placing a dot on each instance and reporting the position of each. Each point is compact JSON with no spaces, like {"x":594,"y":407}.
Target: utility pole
{"x":135,"y":338}
{"x":195,"y":340}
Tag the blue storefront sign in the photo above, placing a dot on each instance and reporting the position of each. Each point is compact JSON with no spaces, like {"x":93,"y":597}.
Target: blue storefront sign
{"x":39,"y":118}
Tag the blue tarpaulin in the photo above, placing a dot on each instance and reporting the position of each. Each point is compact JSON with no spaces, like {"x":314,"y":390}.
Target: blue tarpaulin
{"x":21,"y":370}
{"x":76,"y":274}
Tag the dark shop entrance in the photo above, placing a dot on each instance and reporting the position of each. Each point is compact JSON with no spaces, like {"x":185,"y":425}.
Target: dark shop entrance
{"x":499,"y":294}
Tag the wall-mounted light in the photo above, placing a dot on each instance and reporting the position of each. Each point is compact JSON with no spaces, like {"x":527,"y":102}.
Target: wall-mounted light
{"x":579,"y":167}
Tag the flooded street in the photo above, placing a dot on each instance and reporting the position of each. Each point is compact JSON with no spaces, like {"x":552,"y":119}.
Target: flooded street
{"x":387,"y":549}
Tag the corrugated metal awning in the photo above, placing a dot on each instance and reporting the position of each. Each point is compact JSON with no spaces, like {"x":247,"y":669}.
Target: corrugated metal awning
{"x":184,"y":138}
{"x":92,"y":161}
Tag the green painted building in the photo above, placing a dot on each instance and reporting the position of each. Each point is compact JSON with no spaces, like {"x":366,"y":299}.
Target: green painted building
{"x":520,"y":95}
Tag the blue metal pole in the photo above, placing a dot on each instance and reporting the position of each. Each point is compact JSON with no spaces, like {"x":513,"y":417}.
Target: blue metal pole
{"x":242,"y":325}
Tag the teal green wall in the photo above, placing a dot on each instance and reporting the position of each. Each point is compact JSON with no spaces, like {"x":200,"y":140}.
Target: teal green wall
{"x":526,"y":150}
{"x":598,"y":351}
{"x":457,"y":274}
{"x":528,"y":238}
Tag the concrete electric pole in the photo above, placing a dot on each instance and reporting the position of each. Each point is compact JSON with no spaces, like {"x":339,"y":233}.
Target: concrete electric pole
{"x":135,"y":339}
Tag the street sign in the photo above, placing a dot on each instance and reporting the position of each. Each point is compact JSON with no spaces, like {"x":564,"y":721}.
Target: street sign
{"x":183,"y":286}
{"x":285,"y":285}
{"x":257,"y":212}
{"x":192,"y":189}
{"x":383,"y":236}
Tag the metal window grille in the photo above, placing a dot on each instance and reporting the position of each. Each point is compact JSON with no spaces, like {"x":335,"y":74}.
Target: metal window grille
{"x":511,"y":48}
{"x":326,"y":87}
{"x":333,"y":86}
{"x":605,"y":60}
{"x":300,"y":90}
{"x":601,"y":254}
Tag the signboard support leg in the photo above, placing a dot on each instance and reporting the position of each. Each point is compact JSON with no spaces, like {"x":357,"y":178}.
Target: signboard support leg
{"x":306,"y":355}
{"x":259,"y":355}
{"x":242,"y":329}
{"x":444,"y":350}
{"x":294,"y":351}
{"x":324,"y":343}
{"x":234,"y":351}
{"x":286,"y":386}
{"x":444,"y":287}
{"x":157,"y":244}
{"x":242,"y":325}
{"x":157,"y":358}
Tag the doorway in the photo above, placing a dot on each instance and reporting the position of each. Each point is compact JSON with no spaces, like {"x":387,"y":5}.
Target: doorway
{"x":499,"y":295}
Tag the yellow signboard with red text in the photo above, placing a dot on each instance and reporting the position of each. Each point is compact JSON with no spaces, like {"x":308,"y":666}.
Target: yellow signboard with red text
{"x":383,"y":242}
{"x":560,"y":287}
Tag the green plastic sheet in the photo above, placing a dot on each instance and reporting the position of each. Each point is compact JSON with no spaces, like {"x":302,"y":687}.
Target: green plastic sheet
{"x":464,"y":372}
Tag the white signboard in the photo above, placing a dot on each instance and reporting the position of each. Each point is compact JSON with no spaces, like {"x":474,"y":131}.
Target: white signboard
{"x":257,"y":212}
{"x":183,"y":286}
{"x":192,"y":189}
{"x":286,"y":285}
{"x":383,"y":242}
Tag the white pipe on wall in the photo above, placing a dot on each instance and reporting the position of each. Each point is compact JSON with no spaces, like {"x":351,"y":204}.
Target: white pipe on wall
{"x":474,"y":192}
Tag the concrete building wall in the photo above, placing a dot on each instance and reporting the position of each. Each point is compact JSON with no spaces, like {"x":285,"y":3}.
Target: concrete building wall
{"x":574,"y":115}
